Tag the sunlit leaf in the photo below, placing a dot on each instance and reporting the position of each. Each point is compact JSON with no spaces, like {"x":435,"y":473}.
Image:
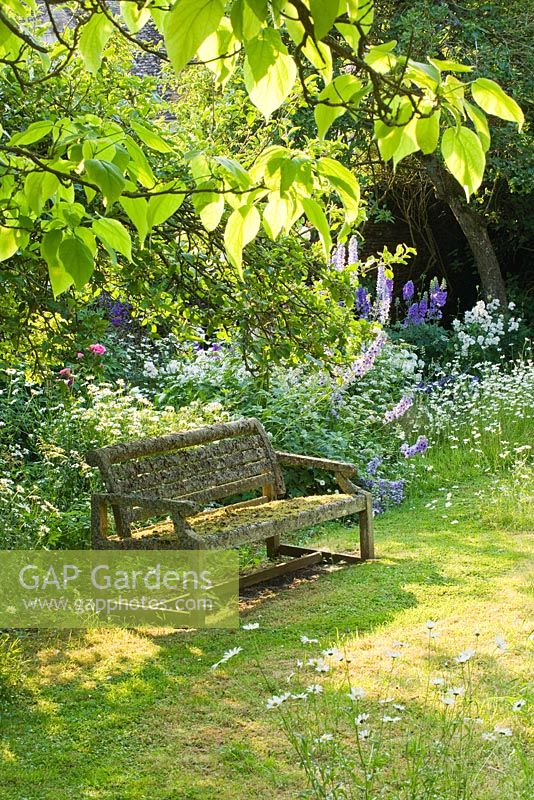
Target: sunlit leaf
{"x":187,"y":25}
{"x":493,"y":100}
{"x":464,"y":156}
{"x":93,"y":39}
{"x":269,"y":70}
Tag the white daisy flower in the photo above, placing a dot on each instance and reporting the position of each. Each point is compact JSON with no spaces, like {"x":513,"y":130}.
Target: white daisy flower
{"x":465,"y":656}
{"x":502,"y":731}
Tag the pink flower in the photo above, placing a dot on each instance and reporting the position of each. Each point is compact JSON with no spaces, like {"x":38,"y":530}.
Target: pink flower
{"x":66,"y":372}
{"x":80,"y":355}
{"x":97,"y":349}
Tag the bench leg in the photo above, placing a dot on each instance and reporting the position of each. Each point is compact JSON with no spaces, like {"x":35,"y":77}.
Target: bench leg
{"x":99,"y":523}
{"x":273,"y":546}
{"x":367,"y":545}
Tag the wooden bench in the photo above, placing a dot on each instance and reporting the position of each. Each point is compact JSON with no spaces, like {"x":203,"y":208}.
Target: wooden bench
{"x":177,"y":475}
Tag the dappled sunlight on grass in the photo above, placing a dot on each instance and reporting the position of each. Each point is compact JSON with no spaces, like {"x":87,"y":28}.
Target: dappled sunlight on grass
{"x":98,"y":698}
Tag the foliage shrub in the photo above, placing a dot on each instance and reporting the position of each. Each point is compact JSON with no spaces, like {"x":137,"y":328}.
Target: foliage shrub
{"x":44,"y":434}
{"x":406,"y":422}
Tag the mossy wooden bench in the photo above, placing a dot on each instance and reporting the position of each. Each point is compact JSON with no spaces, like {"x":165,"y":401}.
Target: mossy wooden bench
{"x":177,"y":475}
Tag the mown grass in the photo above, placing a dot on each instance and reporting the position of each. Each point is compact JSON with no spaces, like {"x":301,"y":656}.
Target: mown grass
{"x":129,"y":715}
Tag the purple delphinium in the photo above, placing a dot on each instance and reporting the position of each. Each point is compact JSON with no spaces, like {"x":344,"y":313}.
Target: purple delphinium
{"x":353,"y":250}
{"x":363,"y":363}
{"x":438,"y":298}
{"x":438,"y":294}
{"x":363,"y":302}
{"x":339,"y":257}
{"x":373,"y":465}
{"x":385,"y":492}
{"x":118,"y":312}
{"x":384,"y":293}
{"x":399,"y":410}
{"x":421,"y":445}
{"x":428,"y":308}
{"x":408,"y":290}
{"x":413,"y":316}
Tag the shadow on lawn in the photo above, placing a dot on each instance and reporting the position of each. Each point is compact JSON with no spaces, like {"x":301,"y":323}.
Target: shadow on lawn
{"x":120,"y":715}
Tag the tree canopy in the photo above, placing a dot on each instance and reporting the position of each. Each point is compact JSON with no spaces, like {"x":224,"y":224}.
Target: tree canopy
{"x":74,"y":183}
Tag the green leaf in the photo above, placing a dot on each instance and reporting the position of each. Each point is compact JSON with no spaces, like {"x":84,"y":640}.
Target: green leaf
{"x":464,"y":156}
{"x":107,"y":177}
{"x":135,"y":17}
{"x":276,"y":215}
{"x":408,"y":143}
{"x":235,"y":169}
{"x":162,"y":207}
{"x":247,"y":16}
{"x":77,"y":259}
{"x":113,"y":233}
{"x":361,"y":11}
{"x":427,"y":133}
{"x":11,"y":239}
{"x":150,"y":138}
{"x":137,"y":210}
{"x":33,"y":133}
{"x":269,"y":71}
{"x":380,"y":58}
{"x":320,"y":55}
{"x":449,"y":66}
{"x":38,"y":188}
{"x":93,"y":39}
{"x":60,"y":279}
{"x":345,"y":184}
{"x":479,"y":120}
{"x":242,"y":226}
{"x":332,"y":101}
{"x":88,"y":238}
{"x":388,"y":139}
{"x":318,"y":219}
{"x":219,"y":51}
{"x":209,"y":206}
{"x":187,"y":25}
{"x":350,"y":33}
{"x":493,"y":100}
{"x":138,"y":167}
{"x":324,"y":15}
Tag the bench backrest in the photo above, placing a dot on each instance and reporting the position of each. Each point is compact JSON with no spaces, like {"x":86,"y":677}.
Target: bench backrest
{"x":202,"y":465}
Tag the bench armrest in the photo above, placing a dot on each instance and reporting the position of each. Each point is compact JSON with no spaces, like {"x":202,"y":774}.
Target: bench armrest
{"x":182,"y":508}
{"x":294,"y":460}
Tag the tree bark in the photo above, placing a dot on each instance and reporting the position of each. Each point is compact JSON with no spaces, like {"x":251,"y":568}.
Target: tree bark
{"x":474,"y":228}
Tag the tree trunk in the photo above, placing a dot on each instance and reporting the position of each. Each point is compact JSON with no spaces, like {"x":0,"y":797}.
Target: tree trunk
{"x":474,"y":228}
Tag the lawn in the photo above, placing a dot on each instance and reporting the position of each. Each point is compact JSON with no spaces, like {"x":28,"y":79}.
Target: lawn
{"x":129,"y":715}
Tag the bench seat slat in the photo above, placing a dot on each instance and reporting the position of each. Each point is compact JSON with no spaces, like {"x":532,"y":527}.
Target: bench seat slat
{"x":221,"y":529}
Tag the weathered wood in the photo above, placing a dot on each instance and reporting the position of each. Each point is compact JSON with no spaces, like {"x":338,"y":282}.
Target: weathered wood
{"x":367,"y":548}
{"x":178,"y":473}
{"x":173,"y":441}
{"x":182,"y":464}
{"x":294,"y":460}
{"x":328,"y":555}
{"x":267,"y":574}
